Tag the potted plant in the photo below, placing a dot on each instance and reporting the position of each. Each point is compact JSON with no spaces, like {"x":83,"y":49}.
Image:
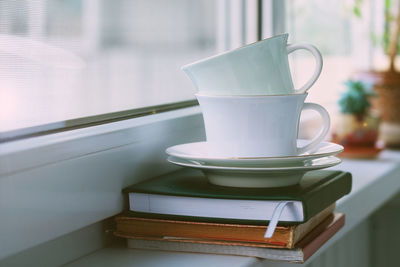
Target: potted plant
{"x":386,"y":83}
{"x":357,"y":126}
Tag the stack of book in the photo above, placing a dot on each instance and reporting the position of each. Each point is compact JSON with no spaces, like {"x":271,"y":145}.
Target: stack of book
{"x":182,"y":211}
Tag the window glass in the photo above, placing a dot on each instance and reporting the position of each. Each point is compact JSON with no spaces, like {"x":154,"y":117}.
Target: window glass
{"x":342,"y":38}
{"x":67,"y":59}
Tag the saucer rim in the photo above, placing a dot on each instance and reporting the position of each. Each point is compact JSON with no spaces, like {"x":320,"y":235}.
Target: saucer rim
{"x":222,"y":168}
{"x":340,"y":149}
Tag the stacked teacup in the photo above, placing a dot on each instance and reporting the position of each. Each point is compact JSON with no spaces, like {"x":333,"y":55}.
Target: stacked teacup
{"x":250,"y":106}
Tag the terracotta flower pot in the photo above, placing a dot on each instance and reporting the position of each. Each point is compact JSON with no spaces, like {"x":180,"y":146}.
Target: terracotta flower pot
{"x":387,"y":103}
{"x":358,"y":135}
{"x":355,"y":131}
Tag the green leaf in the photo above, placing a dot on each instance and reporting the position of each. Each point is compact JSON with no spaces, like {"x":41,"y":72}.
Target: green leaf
{"x":355,"y":99}
{"x":357,"y":11}
{"x":388,"y":4}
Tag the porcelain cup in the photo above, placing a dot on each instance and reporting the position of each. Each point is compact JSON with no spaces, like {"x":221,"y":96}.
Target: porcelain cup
{"x":261,"y":68}
{"x":257,"y":126}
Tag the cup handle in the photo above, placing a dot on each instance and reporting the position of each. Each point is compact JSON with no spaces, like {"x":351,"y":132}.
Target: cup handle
{"x":318,"y":60}
{"x":326,"y":121}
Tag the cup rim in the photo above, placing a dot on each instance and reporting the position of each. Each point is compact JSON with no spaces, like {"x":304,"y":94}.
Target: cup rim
{"x":286,"y":35}
{"x":249,"y":96}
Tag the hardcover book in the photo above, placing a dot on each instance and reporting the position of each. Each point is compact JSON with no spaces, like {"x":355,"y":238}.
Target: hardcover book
{"x":187,"y":195}
{"x":283,"y":237}
{"x":299,"y":254}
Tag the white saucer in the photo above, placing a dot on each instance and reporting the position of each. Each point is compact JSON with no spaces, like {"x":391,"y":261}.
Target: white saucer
{"x":198,"y":153}
{"x":258,"y":176}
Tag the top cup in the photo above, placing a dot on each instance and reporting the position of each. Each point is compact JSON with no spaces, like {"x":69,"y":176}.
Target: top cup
{"x":261,"y":68}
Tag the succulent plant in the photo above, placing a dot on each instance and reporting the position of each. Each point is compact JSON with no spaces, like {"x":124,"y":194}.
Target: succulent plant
{"x":355,"y":100}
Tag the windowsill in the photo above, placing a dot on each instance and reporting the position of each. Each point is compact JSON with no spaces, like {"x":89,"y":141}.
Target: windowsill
{"x":17,"y":156}
{"x":374,"y":183}
{"x":60,"y":183}
{"x":65,"y":183}
{"x":135,"y":257}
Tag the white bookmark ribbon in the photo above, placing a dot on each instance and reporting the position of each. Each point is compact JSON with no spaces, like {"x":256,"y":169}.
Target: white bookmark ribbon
{"x":275,"y":218}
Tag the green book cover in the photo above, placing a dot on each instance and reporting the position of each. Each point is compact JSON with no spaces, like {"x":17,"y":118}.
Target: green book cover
{"x":317,"y":190}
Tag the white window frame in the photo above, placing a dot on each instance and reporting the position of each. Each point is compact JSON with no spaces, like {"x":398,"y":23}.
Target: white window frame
{"x":129,"y":150}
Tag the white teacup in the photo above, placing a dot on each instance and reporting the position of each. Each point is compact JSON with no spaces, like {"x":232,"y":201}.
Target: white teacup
{"x":257,"y":126}
{"x":261,"y":68}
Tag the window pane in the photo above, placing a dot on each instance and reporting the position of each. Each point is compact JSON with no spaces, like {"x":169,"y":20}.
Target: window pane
{"x":342,"y":39}
{"x":67,"y":59}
